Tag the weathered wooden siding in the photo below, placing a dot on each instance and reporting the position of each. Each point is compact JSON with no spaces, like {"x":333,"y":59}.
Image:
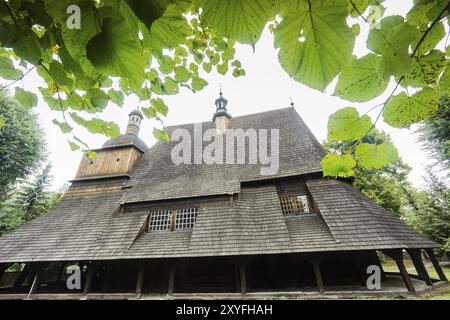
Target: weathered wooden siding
{"x":108,"y":162}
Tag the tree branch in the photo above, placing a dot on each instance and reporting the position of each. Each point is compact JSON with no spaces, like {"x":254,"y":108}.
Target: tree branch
{"x":23,"y":76}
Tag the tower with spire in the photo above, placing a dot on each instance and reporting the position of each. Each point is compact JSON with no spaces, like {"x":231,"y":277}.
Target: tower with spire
{"x":221,"y":117}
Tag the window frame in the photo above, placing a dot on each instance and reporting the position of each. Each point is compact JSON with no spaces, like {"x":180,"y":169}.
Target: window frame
{"x":172,"y":219}
{"x":289,"y":208}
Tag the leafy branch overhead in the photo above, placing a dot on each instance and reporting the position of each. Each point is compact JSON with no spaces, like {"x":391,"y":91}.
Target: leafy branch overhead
{"x":153,"y":48}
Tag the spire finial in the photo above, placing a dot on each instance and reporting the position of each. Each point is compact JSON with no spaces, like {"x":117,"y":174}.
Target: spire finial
{"x":292,"y":102}
{"x":220,"y":88}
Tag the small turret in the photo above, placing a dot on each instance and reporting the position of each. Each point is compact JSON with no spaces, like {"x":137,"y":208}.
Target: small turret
{"x":134,"y":122}
{"x":221,"y":117}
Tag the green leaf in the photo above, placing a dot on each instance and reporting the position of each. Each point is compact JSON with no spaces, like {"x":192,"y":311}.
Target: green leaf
{"x":425,"y":70}
{"x":116,"y":96}
{"x":393,"y":41}
{"x":7,"y":69}
{"x":182,"y":74}
{"x":63,"y":126}
{"x":376,"y":156}
{"x":27,"y":47}
{"x":432,"y":39}
{"x":418,"y":14}
{"x":53,"y":103}
{"x":170,"y":86}
{"x":74,"y":146}
{"x":198,"y":83}
{"x":315,"y":42}
{"x":98,"y":98}
{"x":159,"y":106}
{"x":90,"y":155}
{"x":166,"y":65}
{"x":444,"y":82}
{"x":107,"y":128}
{"x":346,"y":124}
{"x":402,"y":110}
{"x":243,"y":20}
{"x":148,"y":11}
{"x":170,"y":30}
{"x":2,"y":122}
{"x":222,"y":68}
{"x":59,"y":74}
{"x":117,"y":51}
{"x":26,"y":99}
{"x":207,"y":67}
{"x":149,"y":112}
{"x":377,"y":38}
{"x":160,"y":134}
{"x":360,"y":81}
{"x":334,"y":165}
{"x":76,"y":40}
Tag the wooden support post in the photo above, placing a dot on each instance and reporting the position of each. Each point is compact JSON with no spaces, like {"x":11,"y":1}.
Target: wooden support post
{"x":61,"y":270}
{"x":397,"y":256}
{"x":140,"y":280}
{"x":436,"y":265}
{"x":315,"y":261}
{"x":242,"y":276}
{"x":420,"y":267}
{"x":318,"y":274}
{"x":107,"y":276}
{"x":237,"y":283}
{"x":360,"y":267}
{"x":171,"y":288}
{"x":37,"y":269}
{"x":91,"y":269}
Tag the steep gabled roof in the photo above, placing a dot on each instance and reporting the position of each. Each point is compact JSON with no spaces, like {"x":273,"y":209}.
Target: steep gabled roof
{"x":91,"y":224}
{"x":156,"y":177}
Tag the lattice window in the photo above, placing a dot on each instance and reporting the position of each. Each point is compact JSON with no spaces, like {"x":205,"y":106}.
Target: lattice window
{"x":185,"y":218}
{"x":172,"y":219}
{"x":295,"y":205}
{"x":160,"y":220}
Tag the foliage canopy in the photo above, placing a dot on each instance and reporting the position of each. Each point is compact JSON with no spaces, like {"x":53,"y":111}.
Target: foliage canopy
{"x":21,"y":144}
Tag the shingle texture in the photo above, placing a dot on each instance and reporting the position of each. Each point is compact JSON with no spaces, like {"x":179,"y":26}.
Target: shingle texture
{"x":91,"y":224}
{"x":156,"y":177}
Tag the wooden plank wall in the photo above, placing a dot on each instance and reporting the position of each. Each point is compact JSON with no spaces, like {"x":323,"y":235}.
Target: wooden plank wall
{"x":108,"y":162}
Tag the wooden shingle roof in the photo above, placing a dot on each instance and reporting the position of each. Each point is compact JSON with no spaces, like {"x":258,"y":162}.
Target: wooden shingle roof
{"x":156,"y":177}
{"x":104,"y":219}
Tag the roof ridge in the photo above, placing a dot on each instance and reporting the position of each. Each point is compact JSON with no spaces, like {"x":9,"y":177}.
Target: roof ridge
{"x":237,"y":117}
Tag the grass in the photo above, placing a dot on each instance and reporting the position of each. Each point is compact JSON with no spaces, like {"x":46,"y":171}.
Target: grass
{"x":390,"y":265}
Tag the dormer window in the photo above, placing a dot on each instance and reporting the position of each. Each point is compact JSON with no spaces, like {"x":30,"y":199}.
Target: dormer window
{"x":294,"y":205}
{"x":177,"y":219}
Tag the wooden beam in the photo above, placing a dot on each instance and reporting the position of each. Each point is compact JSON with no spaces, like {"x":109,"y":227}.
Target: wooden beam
{"x":315,"y":260}
{"x":171,"y":288}
{"x":237,"y":282}
{"x":420,"y":267}
{"x":91,"y":268}
{"x":242,"y":276}
{"x":318,"y":276}
{"x":140,"y":280}
{"x":61,"y":270}
{"x":37,"y":269}
{"x":360,"y":267}
{"x":436,"y":265}
{"x":397,"y":256}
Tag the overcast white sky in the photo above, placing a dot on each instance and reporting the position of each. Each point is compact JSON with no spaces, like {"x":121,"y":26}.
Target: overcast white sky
{"x":266,"y":86}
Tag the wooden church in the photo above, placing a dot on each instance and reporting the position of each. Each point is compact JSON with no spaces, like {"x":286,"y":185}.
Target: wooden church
{"x":135,"y":222}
